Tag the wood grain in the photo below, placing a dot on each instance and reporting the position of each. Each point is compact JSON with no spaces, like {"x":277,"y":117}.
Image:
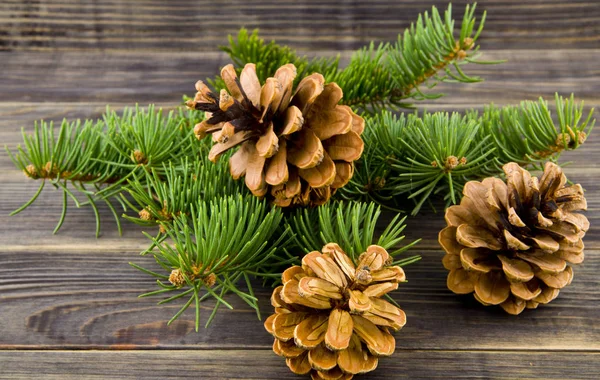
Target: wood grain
{"x":78,"y":230}
{"x":68,"y":303}
{"x":87,"y":299}
{"x":110,"y":25}
{"x":162,"y":78}
{"x":259,"y":364}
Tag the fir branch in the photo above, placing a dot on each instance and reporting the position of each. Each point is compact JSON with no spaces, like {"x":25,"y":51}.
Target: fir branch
{"x":350,"y":224}
{"x":162,"y":194}
{"x":527,"y":134}
{"x":268,"y":57}
{"x":103,"y":154}
{"x":382,"y":75}
{"x":214,"y":248}
{"x":430,"y":47}
{"x":67,"y":158}
{"x":148,"y":138}
{"x":417,"y":157}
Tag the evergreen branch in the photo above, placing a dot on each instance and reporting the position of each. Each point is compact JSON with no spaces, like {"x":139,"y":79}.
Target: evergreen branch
{"x":268,"y":57}
{"x":162,"y":194}
{"x":415,"y":158}
{"x":216,"y":246}
{"x":431,"y":46}
{"x":381,"y":75}
{"x":350,"y":224}
{"x":527,"y":134}
{"x":103,"y":153}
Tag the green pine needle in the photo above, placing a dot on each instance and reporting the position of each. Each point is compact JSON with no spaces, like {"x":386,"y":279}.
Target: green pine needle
{"x":217,"y":245}
{"x":352,"y":225}
{"x":381,"y":75}
{"x":105,"y":153}
{"x":416,"y":157}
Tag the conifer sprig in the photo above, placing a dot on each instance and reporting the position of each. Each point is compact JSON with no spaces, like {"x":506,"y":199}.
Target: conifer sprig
{"x":380,"y":75}
{"x":528,"y":133}
{"x":94,"y":159}
{"x":220,"y":244}
{"x":71,"y":159}
{"x":417,"y":157}
{"x":268,"y":57}
{"x":173,"y":190}
{"x":350,"y":224}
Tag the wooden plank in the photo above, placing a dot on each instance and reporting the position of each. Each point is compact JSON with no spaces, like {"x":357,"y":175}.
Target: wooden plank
{"x":308,"y":24}
{"x":87,"y":299}
{"x":260,"y":364}
{"x":162,"y":78}
{"x":79,"y":228}
{"x":71,"y":291}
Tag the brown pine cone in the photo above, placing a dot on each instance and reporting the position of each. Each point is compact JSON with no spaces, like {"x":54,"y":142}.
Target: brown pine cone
{"x":297,"y":147}
{"x":329,"y":318}
{"x":511,"y":243}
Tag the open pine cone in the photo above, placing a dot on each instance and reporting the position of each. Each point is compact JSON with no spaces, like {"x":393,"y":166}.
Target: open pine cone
{"x":510,"y":243}
{"x":298,"y":147}
{"x":329,"y":318}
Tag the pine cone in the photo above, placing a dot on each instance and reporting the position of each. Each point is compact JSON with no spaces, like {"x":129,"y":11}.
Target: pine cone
{"x":297,"y":148}
{"x":511,"y":243}
{"x":329,"y":318}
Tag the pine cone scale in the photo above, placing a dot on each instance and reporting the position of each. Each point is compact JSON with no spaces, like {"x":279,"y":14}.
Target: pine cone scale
{"x":277,"y":172}
{"x":546,"y":243}
{"x":476,"y":259}
{"x":321,"y":175}
{"x":510,"y":244}
{"x":309,"y":333}
{"x":289,"y":349}
{"x":306,"y":151}
{"x":255,"y":177}
{"x":352,"y":360}
{"x":285,"y":324}
{"x":339,"y":330}
{"x":310,"y":286}
{"x":267,"y":144}
{"x":461,"y":282}
{"x":375,"y":339}
{"x":557,"y":280}
{"x":516,"y":270}
{"x":307,"y":91}
{"x":345,"y":147}
{"x":220,"y":148}
{"x":546,"y":262}
{"x":250,"y":83}
{"x":492,"y":288}
{"x":327,"y":124}
{"x":293,"y":121}
{"x":299,"y":364}
{"x":322,"y":359}
{"x":379,"y":290}
{"x":526,"y":290}
{"x":474,"y":237}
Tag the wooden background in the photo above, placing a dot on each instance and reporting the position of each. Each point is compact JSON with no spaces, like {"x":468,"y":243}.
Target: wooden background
{"x":68,"y":306}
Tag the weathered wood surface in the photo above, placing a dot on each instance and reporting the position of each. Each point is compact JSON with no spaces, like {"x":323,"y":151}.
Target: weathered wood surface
{"x":64,"y":297}
{"x":254,"y":364}
{"x":155,"y":25}
{"x":119,"y":78}
{"x":79,"y":299}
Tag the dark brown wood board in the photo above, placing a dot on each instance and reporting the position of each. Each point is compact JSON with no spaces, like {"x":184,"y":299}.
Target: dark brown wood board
{"x":68,"y":302}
